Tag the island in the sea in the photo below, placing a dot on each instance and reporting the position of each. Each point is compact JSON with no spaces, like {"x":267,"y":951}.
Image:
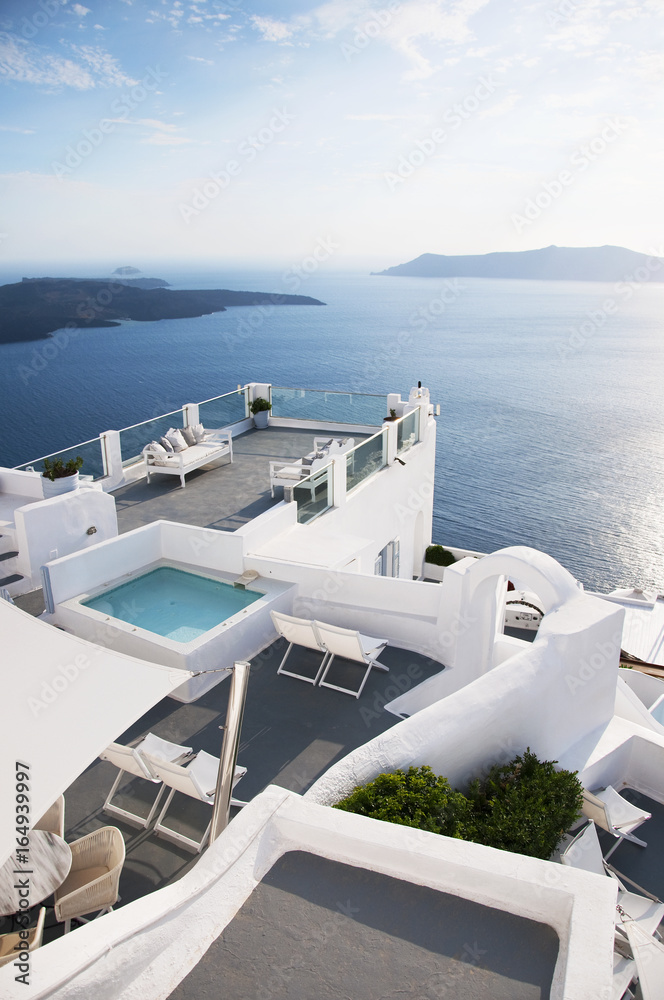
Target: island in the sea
{"x":33,"y":308}
{"x":607,"y":263}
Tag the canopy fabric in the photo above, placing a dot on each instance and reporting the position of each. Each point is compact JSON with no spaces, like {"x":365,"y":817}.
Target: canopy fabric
{"x":64,"y":699}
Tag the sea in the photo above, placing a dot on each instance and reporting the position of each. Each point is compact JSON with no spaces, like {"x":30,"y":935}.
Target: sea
{"x":551,"y":393}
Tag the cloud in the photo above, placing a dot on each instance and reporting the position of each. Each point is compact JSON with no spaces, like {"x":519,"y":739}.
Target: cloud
{"x":23,"y":62}
{"x":374,"y":118}
{"x":14,"y":128}
{"x":271,"y":30}
{"x":208,"y":62}
{"x":104,"y":65}
{"x":160,"y":134}
{"x":80,"y":9}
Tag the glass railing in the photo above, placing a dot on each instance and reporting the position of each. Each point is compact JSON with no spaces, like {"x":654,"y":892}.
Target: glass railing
{"x":366,"y":459}
{"x":407,"y":431}
{"x":337,"y":407}
{"x":134,"y":439}
{"x":224,"y":410}
{"x":90,"y":451}
{"x":314,"y":495}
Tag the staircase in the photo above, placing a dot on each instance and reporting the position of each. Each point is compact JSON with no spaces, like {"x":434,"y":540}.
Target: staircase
{"x":10,"y":578}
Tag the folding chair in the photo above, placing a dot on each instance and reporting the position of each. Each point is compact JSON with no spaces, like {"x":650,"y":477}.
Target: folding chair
{"x":198,"y":780}
{"x":350,"y":645}
{"x":298,"y":632}
{"x":616,"y":815}
{"x":131,"y":760}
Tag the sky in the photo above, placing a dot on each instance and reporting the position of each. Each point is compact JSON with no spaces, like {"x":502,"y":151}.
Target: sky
{"x":377,"y":131}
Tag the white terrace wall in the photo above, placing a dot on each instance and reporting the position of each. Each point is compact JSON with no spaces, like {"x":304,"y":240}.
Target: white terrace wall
{"x":135,"y":550}
{"x":60,"y":525}
{"x":549,"y":697}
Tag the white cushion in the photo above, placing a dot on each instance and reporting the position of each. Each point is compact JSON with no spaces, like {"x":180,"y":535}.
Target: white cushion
{"x":174,"y":435}
{"x":189,"y":436}
{"x":155,"y":447}
{"x":166,"y":445}
{"x":199,"y":433}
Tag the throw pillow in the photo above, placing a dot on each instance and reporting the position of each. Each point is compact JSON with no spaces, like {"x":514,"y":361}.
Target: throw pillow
{"x":174,"y":435}
{"x":199,"y":433}
{"x":155,"y":447}
{"x":189,"y":436}
{"x":166,"y":445}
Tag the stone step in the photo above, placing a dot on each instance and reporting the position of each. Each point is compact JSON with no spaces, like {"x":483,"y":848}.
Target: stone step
{"x":4,"y":556}
{"x":8,"y":580}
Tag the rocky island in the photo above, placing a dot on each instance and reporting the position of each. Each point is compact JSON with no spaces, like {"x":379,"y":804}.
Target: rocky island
{"x":607,"y":263}
{"x":35,"y":307}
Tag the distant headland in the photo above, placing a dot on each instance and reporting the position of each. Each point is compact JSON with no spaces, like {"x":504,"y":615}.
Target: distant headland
{"x":552,"y":263}
{"x":35,"y":307}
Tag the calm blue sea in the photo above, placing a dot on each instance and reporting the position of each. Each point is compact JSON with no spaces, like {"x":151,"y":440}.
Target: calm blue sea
{"x":552,"y":409}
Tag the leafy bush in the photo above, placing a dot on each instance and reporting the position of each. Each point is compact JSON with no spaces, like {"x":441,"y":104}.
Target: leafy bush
{"x":416,"y":798}
{"x":439,"y":556}
{"x":524,"y":806}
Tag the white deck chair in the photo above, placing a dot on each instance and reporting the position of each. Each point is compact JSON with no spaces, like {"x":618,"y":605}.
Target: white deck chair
{"x":649,"y":957}
{"x":198,"y":780}
{"x":585,"y":852}
{"x":298,"y":632}
{"x":350,"y":645}
{"x":131,"y":760}
{"x":614,"y":814}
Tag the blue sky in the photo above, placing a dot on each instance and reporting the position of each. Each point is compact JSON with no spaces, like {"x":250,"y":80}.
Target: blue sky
{"x":229,"y":129}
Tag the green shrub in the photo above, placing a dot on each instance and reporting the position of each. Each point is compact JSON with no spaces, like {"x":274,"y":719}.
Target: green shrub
{"x":416,"y":798}
{"x":439,"y":556}
{"x":524,"y":806}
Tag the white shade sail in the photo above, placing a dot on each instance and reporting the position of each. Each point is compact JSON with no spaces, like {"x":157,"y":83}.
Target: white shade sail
{"x":64,"y":700}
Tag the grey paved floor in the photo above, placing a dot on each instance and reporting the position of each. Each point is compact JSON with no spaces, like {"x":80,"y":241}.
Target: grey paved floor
{"x":226,"y":497}
{"x":291,"y":734}
{"x":319,"y":929}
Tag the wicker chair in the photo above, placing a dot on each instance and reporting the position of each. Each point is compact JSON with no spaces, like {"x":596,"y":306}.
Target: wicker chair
{"x":94,"y":876}
{"x":53,"y":820}
{"x":9,"y":942}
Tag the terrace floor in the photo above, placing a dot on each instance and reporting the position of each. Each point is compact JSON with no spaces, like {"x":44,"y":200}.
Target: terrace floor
{"x":291,"y":733}
{"x":227,"y":497}
{"x":318,"y":928}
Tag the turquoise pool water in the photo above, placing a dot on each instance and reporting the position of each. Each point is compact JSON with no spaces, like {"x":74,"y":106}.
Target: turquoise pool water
{"x":173,"y":603}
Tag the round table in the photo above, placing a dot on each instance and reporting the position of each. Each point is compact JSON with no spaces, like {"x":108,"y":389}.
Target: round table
{"x":39,"y":869}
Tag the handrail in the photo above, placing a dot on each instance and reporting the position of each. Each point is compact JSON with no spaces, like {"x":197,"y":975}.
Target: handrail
{"x":149,"y":420}
{"x":79,"y":444}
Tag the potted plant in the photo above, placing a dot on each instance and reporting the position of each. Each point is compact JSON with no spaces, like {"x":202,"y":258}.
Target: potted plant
{"x":60,"y":477}
{"x":436,"y":558}
{"x":260,"y":411}
{"x":392,"y":416}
